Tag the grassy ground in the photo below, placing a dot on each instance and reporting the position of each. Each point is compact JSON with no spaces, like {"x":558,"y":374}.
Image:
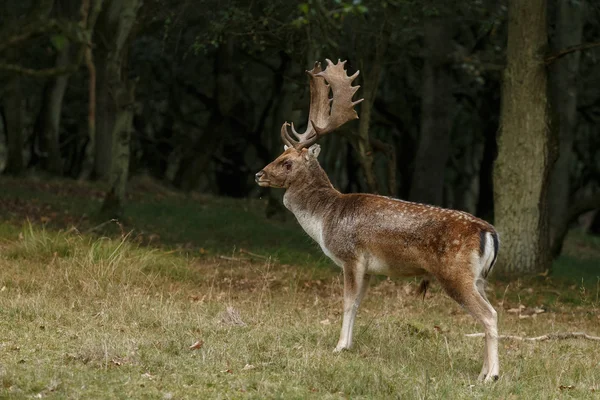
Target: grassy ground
{"x":90,"y":317}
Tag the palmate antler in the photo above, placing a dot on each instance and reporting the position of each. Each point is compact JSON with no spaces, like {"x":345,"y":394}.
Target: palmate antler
{"x":325,"y":114}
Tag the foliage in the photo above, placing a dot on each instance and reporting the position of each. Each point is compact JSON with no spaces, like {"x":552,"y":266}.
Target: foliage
{"x":211,"y":82}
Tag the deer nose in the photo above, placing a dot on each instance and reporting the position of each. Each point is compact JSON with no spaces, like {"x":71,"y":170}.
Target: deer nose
{"x":258,"y":175}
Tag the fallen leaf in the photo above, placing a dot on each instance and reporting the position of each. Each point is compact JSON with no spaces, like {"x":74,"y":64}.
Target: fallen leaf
{"x":568,"y":387}
{"x":248,"y":367}
{"x":116,"y":362}
{"x":197,"y":345}
{"x":227,"y":371}
{"x":148,"y":376}
{"x":326,"y":322}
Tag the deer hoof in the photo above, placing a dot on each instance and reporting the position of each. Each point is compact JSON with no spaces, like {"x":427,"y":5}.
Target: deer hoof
{"x":339,"y":349}
{"x":491,"y":378}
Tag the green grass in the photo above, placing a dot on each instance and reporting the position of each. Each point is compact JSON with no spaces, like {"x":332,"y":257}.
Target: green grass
{"x":163,"y":218}
{"x":111,"y":319}
{"x":86,"y":316}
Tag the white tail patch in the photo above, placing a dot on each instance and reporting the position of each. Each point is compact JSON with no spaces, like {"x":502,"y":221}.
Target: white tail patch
{"x":489,"y":255}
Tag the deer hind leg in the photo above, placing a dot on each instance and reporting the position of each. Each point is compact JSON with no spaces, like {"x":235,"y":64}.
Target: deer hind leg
{"x":356,"y":282}
{"x":469,"y":293}
{"x":480,"y":285}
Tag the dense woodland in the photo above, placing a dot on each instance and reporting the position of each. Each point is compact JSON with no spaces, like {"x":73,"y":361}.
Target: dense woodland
{"x":492,"y":107}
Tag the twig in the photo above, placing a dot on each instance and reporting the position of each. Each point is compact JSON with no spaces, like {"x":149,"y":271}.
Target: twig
{"x":553,"y":57}
{"x":29,"y":31}
{"x":39,"y":73}
{"x":243,"y":251}
{"x":95,"y":228}
{"x":233,"y":258}
{"x":549,"y":336}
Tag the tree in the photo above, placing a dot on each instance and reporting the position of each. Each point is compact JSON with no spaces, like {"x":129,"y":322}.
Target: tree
{"x":117,"y":103}
{"x":523,"y":164}
{"x":436,"y":114}
{"x":563,"y":85}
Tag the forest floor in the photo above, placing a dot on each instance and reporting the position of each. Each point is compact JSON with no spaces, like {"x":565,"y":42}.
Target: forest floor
{"x":197,"y":297}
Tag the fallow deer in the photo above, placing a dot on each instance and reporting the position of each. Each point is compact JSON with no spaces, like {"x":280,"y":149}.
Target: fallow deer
{"x":367,"y":234}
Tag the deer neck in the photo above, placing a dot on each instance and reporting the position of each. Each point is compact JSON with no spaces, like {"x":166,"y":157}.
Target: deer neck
{"x":310,"y":198}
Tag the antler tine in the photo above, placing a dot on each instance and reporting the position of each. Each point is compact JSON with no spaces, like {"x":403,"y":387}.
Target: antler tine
{"x":285,"y":137}
{"x":325,"y":114}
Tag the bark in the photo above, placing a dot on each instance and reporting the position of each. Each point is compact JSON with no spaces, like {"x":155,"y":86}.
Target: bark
{"x":362,"y":143}
{"x":122,"y":128}
{"x":14,"y":120}
{"x":120,"y":106}
{"x":13,"y":33}
{"x":51,"y":114}
{"x":563,"y":75}
{"x":465,"y":188}
{"x":88,"y":23}
{"x":114,"y":26}
{"x":390,"y":152}
{"x":105,"y":113}
{"x":436,"y":115}
{"x":522,"y":168}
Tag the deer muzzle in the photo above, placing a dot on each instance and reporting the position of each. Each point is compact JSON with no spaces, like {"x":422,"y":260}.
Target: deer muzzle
{"x":260,"y":178}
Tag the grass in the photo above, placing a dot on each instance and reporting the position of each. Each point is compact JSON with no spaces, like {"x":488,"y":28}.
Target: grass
{"x":86,"y":316}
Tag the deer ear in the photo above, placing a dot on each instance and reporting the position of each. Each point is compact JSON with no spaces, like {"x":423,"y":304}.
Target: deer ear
{"x":313,"y":151}
{"x":285,"y":147}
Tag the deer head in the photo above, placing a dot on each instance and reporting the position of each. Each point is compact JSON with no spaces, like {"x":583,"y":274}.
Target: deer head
{"x":325,"y":115}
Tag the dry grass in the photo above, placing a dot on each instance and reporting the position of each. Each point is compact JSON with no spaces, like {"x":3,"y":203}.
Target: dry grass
{"x":89,"y":318}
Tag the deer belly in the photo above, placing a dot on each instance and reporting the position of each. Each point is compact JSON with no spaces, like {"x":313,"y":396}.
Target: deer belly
{"x":379,"y":266}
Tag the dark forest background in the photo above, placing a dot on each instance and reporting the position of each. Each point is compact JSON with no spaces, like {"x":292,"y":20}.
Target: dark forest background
{"x":491,"y":107}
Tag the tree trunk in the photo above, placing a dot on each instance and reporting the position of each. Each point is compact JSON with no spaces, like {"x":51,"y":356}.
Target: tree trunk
{"x":51,"y":113}
{"x":436,"y":115}
{"x":105,"y":115}
{"x":522,"y":168}
{"x":14,"y":119}
{"x":369,"y":90}
{"x":89,"y":17}
{"x":118,"y":106}
{"x":122,"y":128}
{"x":563,"y":75}
{"x":115,"y":26}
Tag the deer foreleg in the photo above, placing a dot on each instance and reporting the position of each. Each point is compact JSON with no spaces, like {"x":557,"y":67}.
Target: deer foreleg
{"x":356,"y":282}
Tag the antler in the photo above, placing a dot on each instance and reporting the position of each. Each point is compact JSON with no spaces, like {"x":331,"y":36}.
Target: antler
{"x":323,"y":117}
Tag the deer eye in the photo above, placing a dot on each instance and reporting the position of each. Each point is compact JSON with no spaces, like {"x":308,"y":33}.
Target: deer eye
{"x":287,"y":165}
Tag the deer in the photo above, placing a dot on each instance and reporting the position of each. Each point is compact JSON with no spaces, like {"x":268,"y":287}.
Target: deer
{"x":368,"y":234}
